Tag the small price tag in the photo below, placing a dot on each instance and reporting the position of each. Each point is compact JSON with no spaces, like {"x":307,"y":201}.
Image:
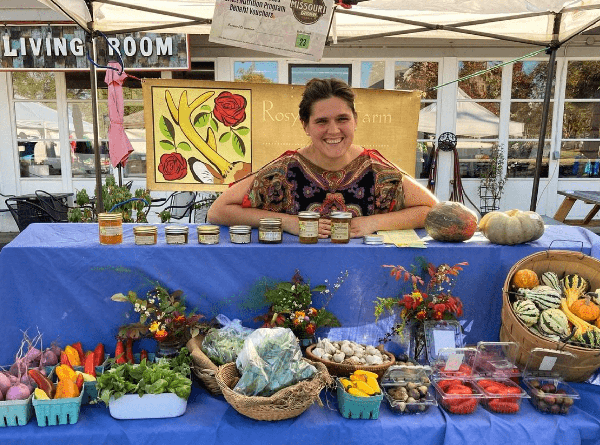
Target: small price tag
{"x":547,"y":363}
{"x":302,"y":41}
{"x":454,"y":361}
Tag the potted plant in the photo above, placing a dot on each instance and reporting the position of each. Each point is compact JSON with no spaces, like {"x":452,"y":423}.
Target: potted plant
{"x":492,"y":181}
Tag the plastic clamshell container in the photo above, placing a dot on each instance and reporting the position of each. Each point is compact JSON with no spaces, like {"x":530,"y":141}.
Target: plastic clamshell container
{"x":16,"y":412}
{"x":496,"y":360}
{"x":500,"y":395}
{"x":57,"y":411}
{"x":441,"y":334}
{"x":354,"y":407}
{"x":397,"y":383}
{"x":454,"y":362}
{"x":148,"y":406}
{"x":544,"y":383}
{"x":457,"y":403}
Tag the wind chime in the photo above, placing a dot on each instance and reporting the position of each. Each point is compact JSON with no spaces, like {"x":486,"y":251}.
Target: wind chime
{"x":446,"y":142}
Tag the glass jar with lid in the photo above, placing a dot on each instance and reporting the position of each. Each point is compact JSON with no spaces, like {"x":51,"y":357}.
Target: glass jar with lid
{"x":110,"y":228}
{"x":270,"y":231}
{"x":208,"y":234}
{"x":308,"y":222}
{"x":176,"y":234}
{"x":240,"y":234}
{"x":340,"y":227}
{"x":145,"y":235}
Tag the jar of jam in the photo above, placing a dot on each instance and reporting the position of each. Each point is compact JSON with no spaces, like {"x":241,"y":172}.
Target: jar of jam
{"x":270,"y":231}
{"x":110,"y":228}
{"x":145,"y":235}
{"x":240,"y":234}
{"x":308,"y":227}
{"x":208,"y":234}
{"x":340,"y":227}
{"x":176,"y":234}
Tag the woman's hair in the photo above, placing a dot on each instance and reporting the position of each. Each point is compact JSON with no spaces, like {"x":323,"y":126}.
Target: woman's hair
{"x":320,"y":89}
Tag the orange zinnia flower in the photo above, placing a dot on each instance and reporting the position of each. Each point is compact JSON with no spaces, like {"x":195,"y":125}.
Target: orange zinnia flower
{"x":159,"y":335}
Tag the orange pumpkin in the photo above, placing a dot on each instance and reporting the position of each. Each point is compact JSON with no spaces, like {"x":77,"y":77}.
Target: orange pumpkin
{"x":525,"y":279}
{"x":585,"y":309}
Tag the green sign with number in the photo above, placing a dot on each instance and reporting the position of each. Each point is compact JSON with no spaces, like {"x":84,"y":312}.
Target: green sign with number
{"x":302,"y":41}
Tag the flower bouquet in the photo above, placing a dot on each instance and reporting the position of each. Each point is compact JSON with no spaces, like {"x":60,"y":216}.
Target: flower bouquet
{"x":422,"y":301}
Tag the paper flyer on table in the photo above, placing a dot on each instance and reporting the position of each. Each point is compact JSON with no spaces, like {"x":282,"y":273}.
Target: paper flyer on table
{"x":292,"y":28}
{"x":402,"y":238}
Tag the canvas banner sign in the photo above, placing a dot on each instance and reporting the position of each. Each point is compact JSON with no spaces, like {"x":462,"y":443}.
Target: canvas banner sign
{"x":204,"y":135}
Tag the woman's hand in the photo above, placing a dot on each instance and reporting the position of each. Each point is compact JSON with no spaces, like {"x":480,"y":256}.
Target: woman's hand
{"x":362,"y":225}
{"x":324,"y":227}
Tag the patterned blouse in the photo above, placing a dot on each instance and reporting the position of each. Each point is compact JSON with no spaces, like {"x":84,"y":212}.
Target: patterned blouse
{"x":291,"y":183}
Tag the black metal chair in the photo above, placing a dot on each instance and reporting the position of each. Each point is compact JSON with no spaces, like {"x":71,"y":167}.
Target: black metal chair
{"x":26,"y":212}
{"x":53,"y":205}
{"x":180,"y":205}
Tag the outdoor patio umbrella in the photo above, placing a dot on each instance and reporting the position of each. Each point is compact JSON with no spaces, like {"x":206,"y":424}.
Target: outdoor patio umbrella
{"x":119,"y":146}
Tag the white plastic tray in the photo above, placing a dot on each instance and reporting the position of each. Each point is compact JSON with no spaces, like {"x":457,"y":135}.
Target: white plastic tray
{"x":149,"y":406}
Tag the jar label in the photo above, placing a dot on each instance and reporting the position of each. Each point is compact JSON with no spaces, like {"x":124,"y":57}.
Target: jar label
{"x":111,"y":230}
{"x":340,"y":231}
{"x":176,"y":239}
{"x":309,"y":229}
{"x":269,"y":236}
{"x":208,"y":239}
{"x":240,"y":239}
{"x":144,"y":240}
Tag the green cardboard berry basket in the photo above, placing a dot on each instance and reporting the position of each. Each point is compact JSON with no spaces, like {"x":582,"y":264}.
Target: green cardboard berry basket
{"x":15,"y":412}
{"x":353,"y":407}
{"x":57,"y":411}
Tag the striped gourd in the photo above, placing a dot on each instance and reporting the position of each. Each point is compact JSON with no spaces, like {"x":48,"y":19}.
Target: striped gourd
{"x":552,"y":280}
{"x":527,"y":311}
{"x":544,"y":297}
{"x":589,"y":338}
{"x":536,"y":331}
{"x":553,"y":322}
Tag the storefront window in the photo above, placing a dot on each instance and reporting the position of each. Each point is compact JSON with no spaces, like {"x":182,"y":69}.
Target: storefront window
{"x":256,"y":72}
{"x":198,"y":71}
{"x":422,"y":76}
{"x":301,"y":74}
{"x":580,"y":147}
{"x":34,"y":98}
{"x":372,"y":75}
{"x":527,"y":97}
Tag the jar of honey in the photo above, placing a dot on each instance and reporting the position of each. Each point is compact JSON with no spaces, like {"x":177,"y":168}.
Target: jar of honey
{"x":308,"y":227}
{"x":340,"y":227}
{"x":145,"y":235}
{"x":176,"y":234}
{"x":208,"y":234}
{"x":240,"y":234}
{"x":270,"y":231}
{"x":110,"y":228}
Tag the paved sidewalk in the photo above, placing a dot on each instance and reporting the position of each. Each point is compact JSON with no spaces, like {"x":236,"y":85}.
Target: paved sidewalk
{"x":6,"y":237}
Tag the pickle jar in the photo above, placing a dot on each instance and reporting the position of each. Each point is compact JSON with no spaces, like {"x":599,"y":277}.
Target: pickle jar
{"x":270,"y":231}
{"x":110,"y":228}
{"x":145,"y":235}
{"x":308,"y":223}
{"x":208,"y":234}
{"x":176,"y":234}
{"x":340,"y":227}
{"x":240,"y":234}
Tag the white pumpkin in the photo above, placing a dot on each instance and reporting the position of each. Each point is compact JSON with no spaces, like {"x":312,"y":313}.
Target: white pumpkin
{"x":512,"y":227}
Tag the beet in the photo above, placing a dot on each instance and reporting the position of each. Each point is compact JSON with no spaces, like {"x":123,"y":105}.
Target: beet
{"x":48,"y":358}
{"x":5,"y":383}
{"x":32,"y":357}
{"x":18,"y":368}
{"x":18,"y":392}
{"x":1,"y":395}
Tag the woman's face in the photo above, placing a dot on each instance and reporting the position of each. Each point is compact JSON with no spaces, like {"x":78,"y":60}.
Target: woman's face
{"x":331,"y":127}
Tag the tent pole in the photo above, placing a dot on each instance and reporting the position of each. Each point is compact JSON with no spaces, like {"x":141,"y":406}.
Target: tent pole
{"x":91,"y":44}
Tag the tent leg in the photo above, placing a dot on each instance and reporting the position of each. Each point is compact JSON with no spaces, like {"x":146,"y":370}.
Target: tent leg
{"x":543,"y":126}
{"x":91,"y":46}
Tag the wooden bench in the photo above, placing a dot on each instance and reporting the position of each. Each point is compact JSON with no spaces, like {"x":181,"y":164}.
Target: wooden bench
{"x":570,"y":198}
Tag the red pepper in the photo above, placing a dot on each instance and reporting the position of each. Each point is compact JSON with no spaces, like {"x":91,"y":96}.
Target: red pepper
{"x":129,"y":351}
{"x":79,"y":348}
{"x":99,"y":354}
{"x":144,"y":355}
{"x":64,"y":360}
{"x":79,"y":381}
{"x":120,"y":353}
{"x":89,"y":367}
{"x":43,"y":382}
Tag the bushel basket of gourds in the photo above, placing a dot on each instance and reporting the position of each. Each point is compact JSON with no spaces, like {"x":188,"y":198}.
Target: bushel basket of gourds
{"x":551,"y":300}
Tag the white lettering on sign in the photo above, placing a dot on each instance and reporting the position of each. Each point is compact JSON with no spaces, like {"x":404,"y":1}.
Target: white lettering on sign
{"x":146,"y":47}
{"x":129,"y":46}
{"x":76,"y":46}
{"x":164,"y":48}
{"x":8,"y":52}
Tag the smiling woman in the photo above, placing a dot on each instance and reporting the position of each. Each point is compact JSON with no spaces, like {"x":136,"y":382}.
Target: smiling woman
{"x":330,"y":174}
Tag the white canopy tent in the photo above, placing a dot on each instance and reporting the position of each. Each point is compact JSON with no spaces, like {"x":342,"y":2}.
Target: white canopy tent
{"x":544,"y":23}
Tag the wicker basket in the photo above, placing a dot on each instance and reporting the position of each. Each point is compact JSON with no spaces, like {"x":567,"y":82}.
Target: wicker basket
{"x":344,"y":370}
{"x":284,"y":404}
{"x":561,"y":262}
{"x":202,"y":366}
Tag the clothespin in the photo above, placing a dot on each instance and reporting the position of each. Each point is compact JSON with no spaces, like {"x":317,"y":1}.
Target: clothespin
{"x":344,"y":4}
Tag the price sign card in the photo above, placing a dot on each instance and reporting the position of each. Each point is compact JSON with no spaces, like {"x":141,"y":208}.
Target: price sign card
{"x":292,"y":28}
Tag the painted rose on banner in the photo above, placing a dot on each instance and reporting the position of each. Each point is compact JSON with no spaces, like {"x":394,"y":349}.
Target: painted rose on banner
{"x":211,"y":143}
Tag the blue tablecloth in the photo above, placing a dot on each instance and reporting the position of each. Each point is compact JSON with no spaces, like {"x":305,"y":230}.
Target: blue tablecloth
{"x":57,"y":278}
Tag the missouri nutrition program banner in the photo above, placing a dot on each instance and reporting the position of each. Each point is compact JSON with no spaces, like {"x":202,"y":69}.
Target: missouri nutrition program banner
{"x":292,"y":28}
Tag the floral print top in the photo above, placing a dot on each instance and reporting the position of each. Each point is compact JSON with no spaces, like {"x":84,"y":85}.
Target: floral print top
{"x":368,"y":185}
